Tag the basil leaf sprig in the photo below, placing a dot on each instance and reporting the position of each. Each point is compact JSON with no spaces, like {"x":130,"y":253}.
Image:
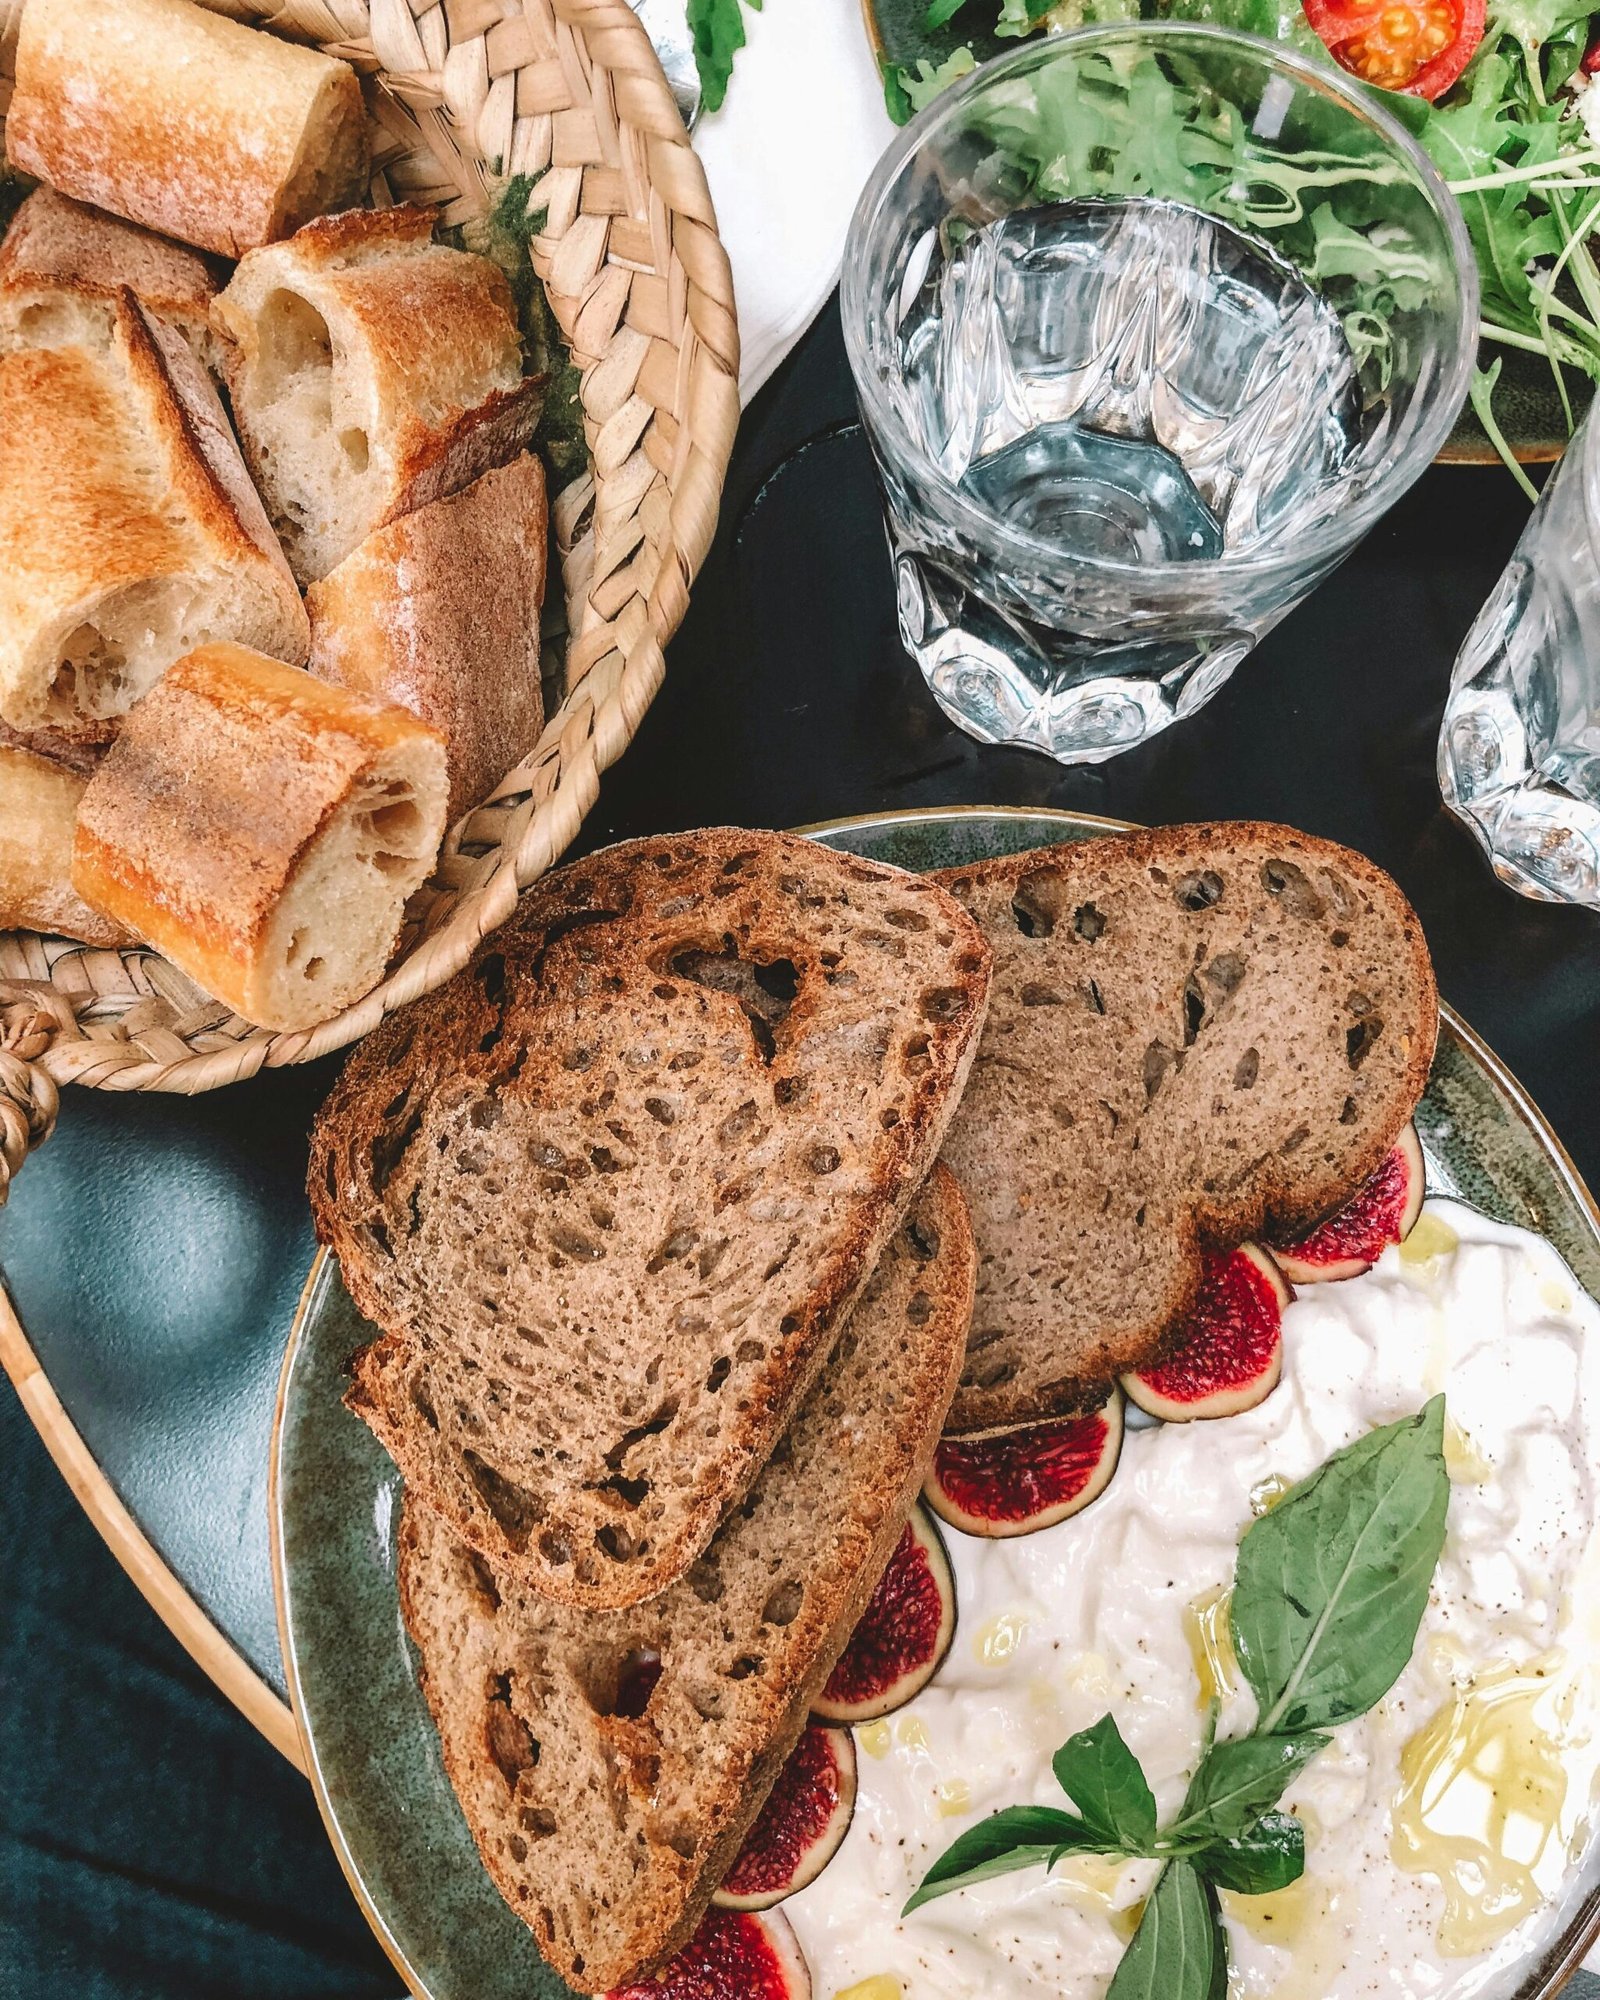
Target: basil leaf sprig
{"x":1329,"y":1590}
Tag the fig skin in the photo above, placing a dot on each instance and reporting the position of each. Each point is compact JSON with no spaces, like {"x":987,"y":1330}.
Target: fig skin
{"x":902,"y":1637}
{"x":735,"y":1955}
{"x":1031,"y":1476}
{"x":1233,"y":1341}
{"x":1381,"y":1213}
{"x":816,"y":1790}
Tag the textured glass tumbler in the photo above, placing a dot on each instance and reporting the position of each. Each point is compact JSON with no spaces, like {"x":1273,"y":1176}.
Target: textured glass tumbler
{"x":1149,"y":325}
{"x":1519,"y":753}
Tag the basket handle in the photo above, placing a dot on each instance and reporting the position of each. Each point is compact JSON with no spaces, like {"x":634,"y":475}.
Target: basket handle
{"x":28,"y":1095}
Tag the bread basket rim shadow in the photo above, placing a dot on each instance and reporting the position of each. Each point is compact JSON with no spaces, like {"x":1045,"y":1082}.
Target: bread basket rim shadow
{"x":462,"y":97}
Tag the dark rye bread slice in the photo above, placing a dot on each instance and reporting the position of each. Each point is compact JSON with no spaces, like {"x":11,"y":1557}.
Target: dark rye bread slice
{"x":1196,"y":1036}
{"x":605,"y":1828}
{"x":616,"y":1185}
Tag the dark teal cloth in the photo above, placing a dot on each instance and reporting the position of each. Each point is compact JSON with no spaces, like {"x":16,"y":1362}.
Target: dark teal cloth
{"x":152,"y":1845}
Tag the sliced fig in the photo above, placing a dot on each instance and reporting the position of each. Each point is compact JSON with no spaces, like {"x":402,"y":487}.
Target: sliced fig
{"x":1230,"y":1353}
{"x":798,"y":1830}
{"x":1016,"y":1481}
{"x":902,"y":1636}
{"x":734,"y":1955}
{"x":1382,"y":1213}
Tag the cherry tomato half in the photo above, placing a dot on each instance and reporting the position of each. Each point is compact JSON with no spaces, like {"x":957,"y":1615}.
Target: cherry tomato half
{"x":1419,"y":47}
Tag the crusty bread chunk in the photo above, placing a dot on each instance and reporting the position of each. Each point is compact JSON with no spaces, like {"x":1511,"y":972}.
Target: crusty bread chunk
{"x":264,"y":831}
{"x":129,"y":531}
{"x":1197,"y":1036}
{"x":439,"y":611}
{"x":371,"y":370}
{"x":59,"y":251}
{"x":619,"y":1182}
{"x":179,"y":118}
{"x":606,"y":1828}
{"x":38,"y":805}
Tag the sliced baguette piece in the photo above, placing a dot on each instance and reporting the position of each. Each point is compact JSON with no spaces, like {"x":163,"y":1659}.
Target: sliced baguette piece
{"x":371,"y":370}
{"x":77,"y":746}
{"x":1198,"y":1035}
{"x":58,"y":250}
{"x":439,"y":611}
{"x":176,"y":117}
{"x":607,"y":1829}
{"x":38,"y":808}
{"x":129,"y":530}
{"x":619,"y":1182}
{"x":264,"y":831}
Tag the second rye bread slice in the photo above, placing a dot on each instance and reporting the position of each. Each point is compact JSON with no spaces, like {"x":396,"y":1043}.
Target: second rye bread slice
{"x":616,"y":1185}
{"x":610,"y":1763}
{"x":1196,"y":1036}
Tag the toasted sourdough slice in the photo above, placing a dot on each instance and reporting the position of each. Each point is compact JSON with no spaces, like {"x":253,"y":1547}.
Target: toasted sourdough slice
{"x":619,"y":1182}
{"x":1197,"y":1035}
{"x":607,"y":1808}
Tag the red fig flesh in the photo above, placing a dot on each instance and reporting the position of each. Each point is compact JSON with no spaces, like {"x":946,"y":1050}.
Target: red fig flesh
{"x":733,"y":1956}
{"x":1230,"y":1353}
{"x":1016,"y":1481}
{"x":798,"y":1830}
{"x":903,"y":1634}
{"x":1382,"y":1213}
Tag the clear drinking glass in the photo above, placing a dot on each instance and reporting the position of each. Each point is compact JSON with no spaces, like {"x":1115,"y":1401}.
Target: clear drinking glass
{"x":1149,"y":324}
{"x":1519,"y":753}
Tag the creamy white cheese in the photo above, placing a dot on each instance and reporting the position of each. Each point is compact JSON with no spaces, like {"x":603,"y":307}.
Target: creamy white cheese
{"x":1431,"y":1870}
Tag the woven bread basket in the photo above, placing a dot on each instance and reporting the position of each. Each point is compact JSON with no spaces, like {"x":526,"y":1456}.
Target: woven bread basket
{"x":463,"y":95}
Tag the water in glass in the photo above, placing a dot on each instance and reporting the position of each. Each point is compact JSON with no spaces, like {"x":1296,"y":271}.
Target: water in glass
{"x":1519,"y":753}
{"x":1131,"y":381}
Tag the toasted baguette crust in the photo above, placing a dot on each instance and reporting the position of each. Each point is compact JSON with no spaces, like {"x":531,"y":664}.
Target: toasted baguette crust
{"x":75,"y":747}
{"x":123,"y":503}
{"x":362,"y":327}
{"x":1178,"y":1055}
{"x":612,"y":1061}
{"x":220,"y":785}
{"x":38,"y":802}
{"x":184,"y":120}
{"x":439,"y":611}
{"x":56,"y":244}
{"x":610,"y":1892}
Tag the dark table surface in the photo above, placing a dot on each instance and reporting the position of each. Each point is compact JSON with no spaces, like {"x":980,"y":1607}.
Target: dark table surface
{"x":149,"y":1843}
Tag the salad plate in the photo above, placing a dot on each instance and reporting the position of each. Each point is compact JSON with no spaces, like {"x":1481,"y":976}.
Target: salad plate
{"x":370,"y":1745}
{"x":1505,"y":115}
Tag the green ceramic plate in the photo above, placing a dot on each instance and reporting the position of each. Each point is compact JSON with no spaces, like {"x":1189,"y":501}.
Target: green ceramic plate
{"x":373,"y":1755}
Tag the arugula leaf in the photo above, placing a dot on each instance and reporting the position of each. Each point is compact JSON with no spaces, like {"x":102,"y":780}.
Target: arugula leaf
{"x":909,"y":87}
{"x":1019,"y":1837}
{"x":1481,"y":392}
{"x":1238,"y":1782}
{"x":717,"y":27}
{"x":1174,"y":1951}
{"x":1101,"y":1776}
{"x":1330,"y":1587}
{"x":1270,"y":1855}
{"x":940,"y":12}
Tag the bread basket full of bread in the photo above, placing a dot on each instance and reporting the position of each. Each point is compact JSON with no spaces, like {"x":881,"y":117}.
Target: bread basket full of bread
{"x":325,"y":333}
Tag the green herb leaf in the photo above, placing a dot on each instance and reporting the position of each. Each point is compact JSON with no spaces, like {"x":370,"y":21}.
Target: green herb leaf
{"x":1331,"y":1586}
{"x":1481,"y":392}
{"x":1238,"y":1782}
{"x":1174,"y":1951}
{"x":717,"y":27}
{"x":895,"y":100}
{"x":940,"y":12}
{"x":1271,"y":1855}
{"x":1101,"y":1776}
{"x":916,"y":85}
{"x":1019,"y":1837}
